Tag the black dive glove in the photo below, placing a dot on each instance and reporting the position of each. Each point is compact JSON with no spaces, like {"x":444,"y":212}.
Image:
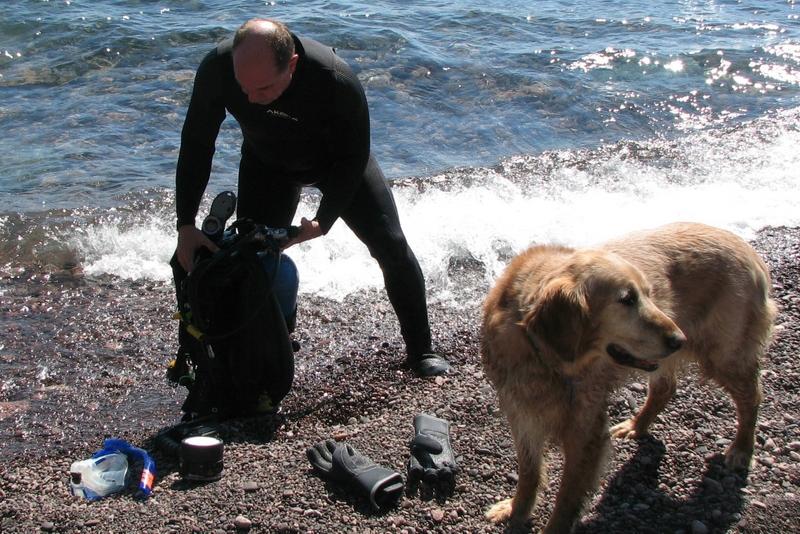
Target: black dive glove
{"x":340,"y":462}
{"x":432,"y":458}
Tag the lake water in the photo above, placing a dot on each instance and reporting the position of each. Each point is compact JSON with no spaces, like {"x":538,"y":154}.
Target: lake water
{"x":500,"y":124}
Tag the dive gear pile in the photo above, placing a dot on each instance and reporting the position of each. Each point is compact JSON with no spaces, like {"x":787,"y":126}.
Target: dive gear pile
{"x":235,"y":355}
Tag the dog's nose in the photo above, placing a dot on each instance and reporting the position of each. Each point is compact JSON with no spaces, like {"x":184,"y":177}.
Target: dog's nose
{"x":675,"y":341}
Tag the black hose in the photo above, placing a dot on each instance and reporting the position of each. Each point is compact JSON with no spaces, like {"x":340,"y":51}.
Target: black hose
{"x":168,"y":440}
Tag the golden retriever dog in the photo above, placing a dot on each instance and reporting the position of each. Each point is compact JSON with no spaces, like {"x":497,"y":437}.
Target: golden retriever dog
{"x":563,"y":327}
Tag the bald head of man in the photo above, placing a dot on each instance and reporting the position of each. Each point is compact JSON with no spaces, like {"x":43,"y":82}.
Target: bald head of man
{"x":264,"y":59}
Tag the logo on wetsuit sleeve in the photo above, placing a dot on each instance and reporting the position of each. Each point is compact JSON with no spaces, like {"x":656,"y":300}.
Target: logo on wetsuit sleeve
{"x":282,"y":115}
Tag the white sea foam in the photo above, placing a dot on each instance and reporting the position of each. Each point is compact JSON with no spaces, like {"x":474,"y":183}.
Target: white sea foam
{"x":743,"y":181}
{"x":129,"y":250}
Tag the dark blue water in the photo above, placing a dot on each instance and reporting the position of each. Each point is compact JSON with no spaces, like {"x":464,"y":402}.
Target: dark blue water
{"x":499,"y":122}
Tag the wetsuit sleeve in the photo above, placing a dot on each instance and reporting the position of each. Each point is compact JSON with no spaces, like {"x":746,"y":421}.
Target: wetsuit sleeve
{"x":200,"y":128}
{"x":351,"y":140}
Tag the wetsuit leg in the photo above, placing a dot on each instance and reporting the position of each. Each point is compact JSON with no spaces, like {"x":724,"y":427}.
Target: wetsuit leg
{"x":373,"y":217}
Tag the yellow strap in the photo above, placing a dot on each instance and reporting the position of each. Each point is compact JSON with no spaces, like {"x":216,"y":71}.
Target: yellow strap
{"x":194,"y":331}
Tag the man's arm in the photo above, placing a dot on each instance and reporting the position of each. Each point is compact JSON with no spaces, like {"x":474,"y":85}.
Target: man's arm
{"x":200,"y":128}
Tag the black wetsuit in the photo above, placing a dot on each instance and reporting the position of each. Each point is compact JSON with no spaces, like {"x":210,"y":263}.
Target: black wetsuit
{"x":315,"y":134}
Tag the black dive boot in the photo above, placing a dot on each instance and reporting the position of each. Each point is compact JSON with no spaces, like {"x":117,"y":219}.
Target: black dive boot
{"x":428,"y":364}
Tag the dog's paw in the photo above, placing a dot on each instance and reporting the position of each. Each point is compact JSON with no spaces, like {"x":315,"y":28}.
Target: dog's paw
{"x":737,"y":459}
{"x":499,"y":512}
{"x":625,"y":430}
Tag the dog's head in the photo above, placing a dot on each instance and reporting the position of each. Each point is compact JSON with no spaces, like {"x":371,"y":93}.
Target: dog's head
{"x":599,"y":305}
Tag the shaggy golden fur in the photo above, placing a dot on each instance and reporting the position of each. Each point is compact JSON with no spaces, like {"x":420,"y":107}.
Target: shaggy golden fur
{"x":563,"y":327}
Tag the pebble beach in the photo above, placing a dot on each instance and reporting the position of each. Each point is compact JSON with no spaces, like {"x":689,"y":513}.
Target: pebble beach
{"x":83,"y":358}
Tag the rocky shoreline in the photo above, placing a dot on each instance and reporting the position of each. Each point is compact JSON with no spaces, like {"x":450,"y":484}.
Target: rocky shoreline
{"x":83,"y":359}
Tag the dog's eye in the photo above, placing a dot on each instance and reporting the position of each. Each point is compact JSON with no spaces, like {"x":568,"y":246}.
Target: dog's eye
{"x":628,"y":298}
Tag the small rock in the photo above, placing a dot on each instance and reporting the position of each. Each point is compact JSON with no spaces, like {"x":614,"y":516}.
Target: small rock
{"x":250,"y":486}
{"x":712,"y":485}
{"x":768,"y":461}
{"x":758,"y":504}
{"x":794,"y":456}
{"x":769,"y":445}
{"x":729,"y":481}
{"x":698,"y":527}
{"x":242,"y":522}
{"x":352,"y":421}
{"x":437,"y":515}
{"x":794,"y":445}
{"x":640,"y":388}
{"x":48,"y":526}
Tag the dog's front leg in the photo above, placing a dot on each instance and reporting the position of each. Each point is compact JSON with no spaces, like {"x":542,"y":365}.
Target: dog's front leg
{"x":530,"y":476}
{"x":660,"y":390}
{"x":585,"y":446}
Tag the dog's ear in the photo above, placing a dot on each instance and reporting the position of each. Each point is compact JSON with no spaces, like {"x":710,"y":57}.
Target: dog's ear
{"x":557,"y":318}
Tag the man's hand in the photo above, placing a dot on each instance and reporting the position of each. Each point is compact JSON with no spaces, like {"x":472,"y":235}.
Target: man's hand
{"x":190,"y":240}
{"x":308,"y":230}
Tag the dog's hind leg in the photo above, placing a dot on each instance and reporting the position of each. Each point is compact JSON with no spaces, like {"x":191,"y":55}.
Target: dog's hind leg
{"x":660,"y":390}
{"x":743,"y":385}
{"x":585,"y":449}
{"x":530,"y":460}
{"x":738,"y":372}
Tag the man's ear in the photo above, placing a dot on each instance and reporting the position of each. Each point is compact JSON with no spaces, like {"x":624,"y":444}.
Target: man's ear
{"x":293,"y":63}
{"x":557,"y":319}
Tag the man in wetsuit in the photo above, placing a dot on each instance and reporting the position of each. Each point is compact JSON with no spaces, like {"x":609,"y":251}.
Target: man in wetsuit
{"x":305,"y":122}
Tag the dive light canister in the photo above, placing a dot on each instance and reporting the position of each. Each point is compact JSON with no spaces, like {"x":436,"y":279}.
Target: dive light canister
{"x":201,"y":458}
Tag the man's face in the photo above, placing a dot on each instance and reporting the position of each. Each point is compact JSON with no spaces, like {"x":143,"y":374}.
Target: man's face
{"x":259,"y":77}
